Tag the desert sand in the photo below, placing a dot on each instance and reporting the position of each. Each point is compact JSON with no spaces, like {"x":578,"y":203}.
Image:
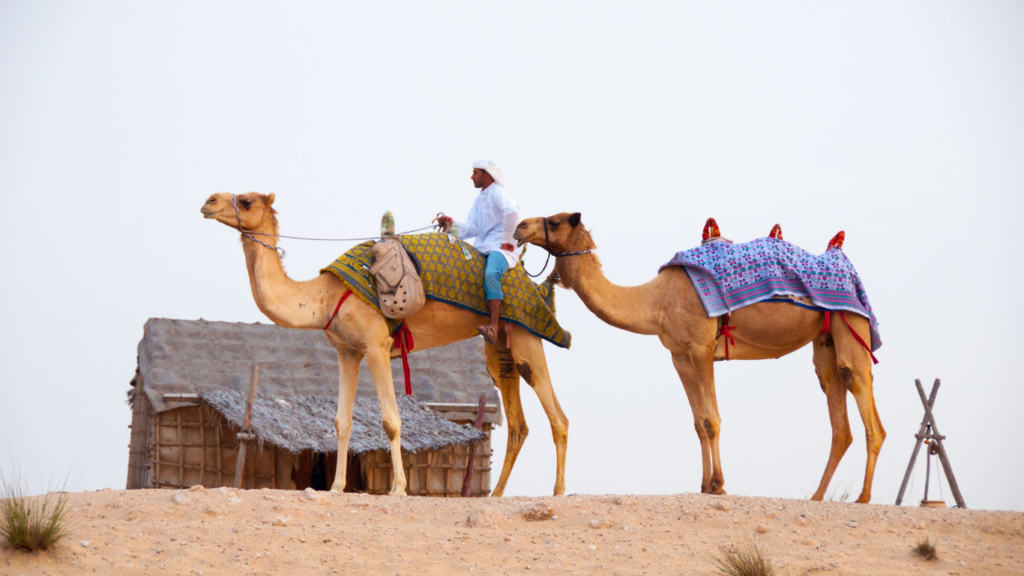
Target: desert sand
{"x":226,"y":531}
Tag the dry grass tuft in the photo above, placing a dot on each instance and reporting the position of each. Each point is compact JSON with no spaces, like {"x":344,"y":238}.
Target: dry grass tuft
{"x":749,"y":559}
{"x":32,"y":523}
{"x":925,"y":549}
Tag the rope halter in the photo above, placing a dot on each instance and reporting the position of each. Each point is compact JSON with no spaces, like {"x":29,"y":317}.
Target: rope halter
{"x":238,"y":217}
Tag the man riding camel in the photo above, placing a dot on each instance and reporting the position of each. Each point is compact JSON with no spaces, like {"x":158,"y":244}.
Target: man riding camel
{"x":491,"y":221}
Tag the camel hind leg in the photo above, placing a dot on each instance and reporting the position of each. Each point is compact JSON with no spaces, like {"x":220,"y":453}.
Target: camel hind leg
{"x":835,"y":392}
{"x":378,"y":360}
{"x":501,"y":367}
{"x":853,"y":363}
{"x":528,"y":353}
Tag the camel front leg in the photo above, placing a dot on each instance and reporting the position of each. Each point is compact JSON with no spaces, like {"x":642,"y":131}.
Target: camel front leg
{"x":696,"y":371}
{"x":528,"y":353}
{"x":348,"y":369}
{"x":854,"y":367}
{"x":835,"y":392}
{"x":378,"y":360}
{"x":501,"y":367}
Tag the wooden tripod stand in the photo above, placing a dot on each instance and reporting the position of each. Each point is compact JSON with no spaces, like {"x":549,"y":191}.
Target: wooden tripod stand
{"x":929,"y":434}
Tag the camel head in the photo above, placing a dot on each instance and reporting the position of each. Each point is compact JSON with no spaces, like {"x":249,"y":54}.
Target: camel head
{"x":254,"y":209}
{"x":565,"y":233}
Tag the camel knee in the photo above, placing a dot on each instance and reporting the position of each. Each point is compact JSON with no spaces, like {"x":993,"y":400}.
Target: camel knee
{"x":846,"y":373}
{"x":560,"y":431}
{"x":712,"y":427}
{"x":875,"y":442}
{"x":393,"y":429}
{"x":343,"y":428}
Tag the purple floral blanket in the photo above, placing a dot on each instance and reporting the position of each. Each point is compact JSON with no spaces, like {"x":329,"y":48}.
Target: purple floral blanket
{"x":730,"y":276}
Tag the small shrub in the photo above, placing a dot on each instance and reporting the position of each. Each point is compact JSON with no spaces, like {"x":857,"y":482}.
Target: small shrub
{"x":839,"y":495}
{"x":925,"y":549}
{"x":749,"y":559}
{"x":32,"y":522}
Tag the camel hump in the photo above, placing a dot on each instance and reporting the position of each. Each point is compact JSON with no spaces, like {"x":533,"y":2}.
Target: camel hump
{"x":837,"y":241}
{"x":776,"y":232}
{"x":711,"y":230}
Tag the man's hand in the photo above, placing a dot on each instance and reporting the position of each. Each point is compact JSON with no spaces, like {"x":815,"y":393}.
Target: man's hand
{"x":444,"y":223}
{"x":508,"y":247}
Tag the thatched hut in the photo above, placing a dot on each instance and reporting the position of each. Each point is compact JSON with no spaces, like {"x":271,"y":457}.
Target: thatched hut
{"x":191,"y":387}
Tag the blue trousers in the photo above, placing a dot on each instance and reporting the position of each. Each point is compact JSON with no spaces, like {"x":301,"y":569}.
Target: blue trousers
{"x":497,"y":265}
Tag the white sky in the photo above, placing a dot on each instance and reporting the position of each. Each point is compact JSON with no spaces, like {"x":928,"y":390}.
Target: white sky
{"x":901,"y":124}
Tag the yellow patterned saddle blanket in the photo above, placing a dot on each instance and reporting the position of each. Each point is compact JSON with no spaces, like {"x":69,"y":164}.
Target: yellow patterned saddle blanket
{"x":449,"y":277}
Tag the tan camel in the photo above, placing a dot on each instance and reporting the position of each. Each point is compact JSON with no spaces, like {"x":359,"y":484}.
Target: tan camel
{"x":359,"y":331}
{"x":670,"y":308}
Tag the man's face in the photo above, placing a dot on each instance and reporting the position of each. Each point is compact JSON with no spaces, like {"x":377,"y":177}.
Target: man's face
{"x":481,"y":179}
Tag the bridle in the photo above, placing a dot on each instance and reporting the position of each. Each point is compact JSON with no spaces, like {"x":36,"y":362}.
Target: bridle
{"x":547,"y":246}
{"x":250,"y":236}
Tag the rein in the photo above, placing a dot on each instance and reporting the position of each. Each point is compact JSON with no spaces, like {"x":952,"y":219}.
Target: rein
{"x":547,"y":246}
{"x":250,"y":234}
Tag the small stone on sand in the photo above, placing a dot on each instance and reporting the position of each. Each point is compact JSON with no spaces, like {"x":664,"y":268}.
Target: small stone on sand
{"x":538,"y":511}
{"x":484,"y":518}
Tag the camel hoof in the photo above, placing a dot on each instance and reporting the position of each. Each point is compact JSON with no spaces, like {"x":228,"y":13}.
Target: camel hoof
{"x":817,"y":498}
{"x":720,"y":492}
{"x":397,"y":492}
{"x":864,"y":499}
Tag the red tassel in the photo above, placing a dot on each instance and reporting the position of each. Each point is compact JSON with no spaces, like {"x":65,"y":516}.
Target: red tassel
{"x":725,"y":330}
{"x":404,"y":342}
{"x":837,"y":241}
{"x":711,"y":230}
{"x":776,"y":232}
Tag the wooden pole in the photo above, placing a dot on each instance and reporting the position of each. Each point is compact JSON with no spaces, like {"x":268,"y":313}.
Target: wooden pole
{"x":917,"y":445}
{"x":245,"y":435}
{"x":467,"y":484}
{"x":937,"y":439}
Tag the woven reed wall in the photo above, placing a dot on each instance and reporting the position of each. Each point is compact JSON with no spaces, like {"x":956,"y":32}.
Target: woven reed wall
{"x":190,"y":446}
{"x":139,"y":464}
{"x":438,"y":473}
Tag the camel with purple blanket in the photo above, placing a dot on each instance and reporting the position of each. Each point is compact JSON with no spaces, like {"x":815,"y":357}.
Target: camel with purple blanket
{"x":761,"y":308}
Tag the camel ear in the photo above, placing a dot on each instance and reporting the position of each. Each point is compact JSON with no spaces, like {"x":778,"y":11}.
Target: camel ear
{"x":574,"y":219}
{"x":270,"y":199}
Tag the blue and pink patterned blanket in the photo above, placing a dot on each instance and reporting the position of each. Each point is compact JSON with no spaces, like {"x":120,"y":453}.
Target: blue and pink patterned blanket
{"x":730,"y":276}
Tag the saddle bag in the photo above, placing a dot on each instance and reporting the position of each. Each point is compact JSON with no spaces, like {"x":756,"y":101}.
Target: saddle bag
{"x":399,"y":288}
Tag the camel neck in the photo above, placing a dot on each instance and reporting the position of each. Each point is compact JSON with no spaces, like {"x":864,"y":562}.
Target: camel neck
{"x":284,"y":301}
{"x":622,"y":307}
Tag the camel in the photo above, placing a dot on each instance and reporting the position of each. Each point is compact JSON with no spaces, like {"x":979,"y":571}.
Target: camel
{"x":359,"y":331}
{"x":669,"y":307}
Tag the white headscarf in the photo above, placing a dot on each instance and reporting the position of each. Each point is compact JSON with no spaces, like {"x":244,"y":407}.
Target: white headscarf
{"x":488,"y":165}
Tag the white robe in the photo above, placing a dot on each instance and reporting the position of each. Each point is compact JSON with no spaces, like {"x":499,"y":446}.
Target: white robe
{"x":492,"y":220}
